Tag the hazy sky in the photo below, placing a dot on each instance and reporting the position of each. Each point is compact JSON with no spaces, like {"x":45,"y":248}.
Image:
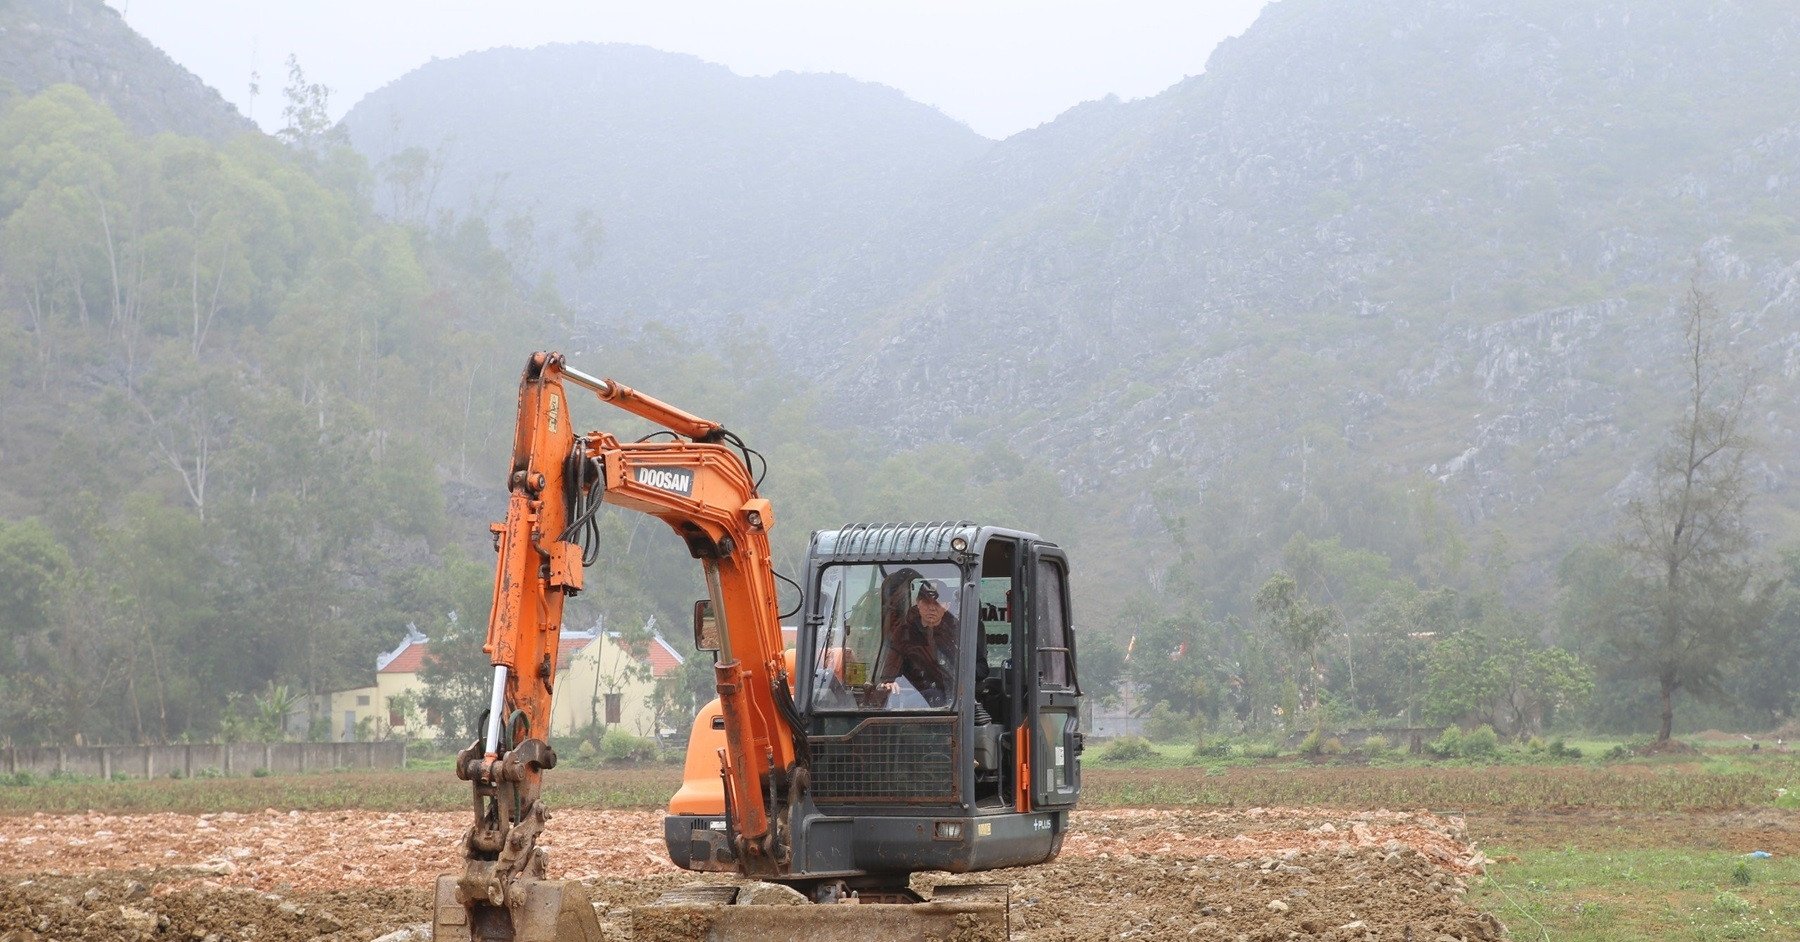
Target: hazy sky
{"x":999,"y":65}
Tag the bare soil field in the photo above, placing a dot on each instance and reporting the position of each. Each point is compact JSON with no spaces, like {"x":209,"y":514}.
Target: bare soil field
{"x":276,"y":876}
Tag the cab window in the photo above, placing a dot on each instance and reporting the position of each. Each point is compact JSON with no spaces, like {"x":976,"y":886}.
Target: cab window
{"x":888,"y":639}
{"x":1054,"y":656}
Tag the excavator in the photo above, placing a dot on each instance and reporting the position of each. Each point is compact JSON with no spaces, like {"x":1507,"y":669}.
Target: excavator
{"x":924,"y":720}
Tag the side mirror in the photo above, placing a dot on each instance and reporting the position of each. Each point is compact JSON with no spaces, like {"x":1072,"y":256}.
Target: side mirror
{"x":706,"y":627}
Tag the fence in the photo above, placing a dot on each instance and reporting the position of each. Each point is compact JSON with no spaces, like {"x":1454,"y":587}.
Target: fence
{"x":189,"y":759}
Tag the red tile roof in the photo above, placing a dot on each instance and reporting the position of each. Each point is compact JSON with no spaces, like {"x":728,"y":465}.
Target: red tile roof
{"x":411,"y":658}
{"x":408,"y":661}
{"x":571,"y":646}
{"x":663,"y":657}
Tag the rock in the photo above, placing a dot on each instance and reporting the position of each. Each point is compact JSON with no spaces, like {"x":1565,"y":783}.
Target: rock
{"x":417,"y":932}
{"x":759,"y":893}
{"x":138,"y":919}
{"x":1277,"y":906}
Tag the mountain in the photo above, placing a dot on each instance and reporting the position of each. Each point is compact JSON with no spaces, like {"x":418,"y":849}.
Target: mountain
{"x":87,"y":43}
{"x":1432,"y":242}
{"x":704,"y":192}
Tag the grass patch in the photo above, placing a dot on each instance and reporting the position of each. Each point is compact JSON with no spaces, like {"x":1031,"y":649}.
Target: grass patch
{"x":1576,"y":895}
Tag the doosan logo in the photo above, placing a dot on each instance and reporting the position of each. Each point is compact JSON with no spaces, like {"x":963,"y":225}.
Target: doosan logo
{"x":678,"y":480}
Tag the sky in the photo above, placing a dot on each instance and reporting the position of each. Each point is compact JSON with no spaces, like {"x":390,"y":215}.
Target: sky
{"x":1000,"y":66}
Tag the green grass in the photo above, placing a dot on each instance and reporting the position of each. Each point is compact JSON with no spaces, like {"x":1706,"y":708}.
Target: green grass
{"x":1577,"y":895}
{"x":1169,"y":778}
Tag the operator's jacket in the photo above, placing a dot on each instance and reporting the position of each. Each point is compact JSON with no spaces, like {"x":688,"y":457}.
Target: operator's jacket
{"x":926,"y":657}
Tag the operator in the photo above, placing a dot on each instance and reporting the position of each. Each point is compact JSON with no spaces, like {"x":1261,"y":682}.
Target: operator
{"x":922,"y":648}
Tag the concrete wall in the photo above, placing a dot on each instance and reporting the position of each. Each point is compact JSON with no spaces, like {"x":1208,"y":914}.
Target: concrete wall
{"x":192,"y":759}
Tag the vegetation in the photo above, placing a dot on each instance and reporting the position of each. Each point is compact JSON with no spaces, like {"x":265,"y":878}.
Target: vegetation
{"x":1688,"y":601}
{"x":310,"y":395}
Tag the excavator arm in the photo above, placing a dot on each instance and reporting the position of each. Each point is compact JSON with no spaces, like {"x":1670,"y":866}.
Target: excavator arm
{"x":700,"y":483}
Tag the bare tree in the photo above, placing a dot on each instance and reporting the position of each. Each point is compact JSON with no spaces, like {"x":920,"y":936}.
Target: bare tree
{"x":1687,"y":540}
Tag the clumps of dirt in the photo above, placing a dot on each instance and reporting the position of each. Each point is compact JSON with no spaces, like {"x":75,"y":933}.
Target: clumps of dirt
{"x":1253,"y":875}
{"x":1349,"y":895}
{"x":1242,"y":875}
{"x":154,"y":906}
{"x":317,"y":850}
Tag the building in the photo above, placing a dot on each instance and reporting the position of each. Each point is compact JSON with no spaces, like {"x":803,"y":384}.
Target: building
{"x":597,"y":679}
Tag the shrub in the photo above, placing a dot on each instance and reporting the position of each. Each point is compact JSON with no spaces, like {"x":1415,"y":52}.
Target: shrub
{"x":1740,"y":873}
{"x":1217,"y":749}
{"x":1332,"y":746}
{"x":1261,"y":750}
{"x":1534,"y":745}
{"x":21,"y":779}
{"x":620,"y":746}
{"x":586,"y":750}
{"x":1483,"y":743}
{"x":1449,"y":743}
{"x":1127,"y":749}
{"x":1376,"y":745}
{"x":1311,"y":745}
{"x":1166,"y":725}
{"x":1617,"y":752}
{"x":1561,"y":750}
{"x":261,"y":771}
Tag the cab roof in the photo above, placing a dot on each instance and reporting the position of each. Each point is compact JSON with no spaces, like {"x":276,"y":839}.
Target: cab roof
{"x":904,"y":541}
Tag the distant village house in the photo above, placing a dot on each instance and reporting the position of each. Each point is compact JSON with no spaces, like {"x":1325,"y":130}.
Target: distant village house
{"x":597,"y":680}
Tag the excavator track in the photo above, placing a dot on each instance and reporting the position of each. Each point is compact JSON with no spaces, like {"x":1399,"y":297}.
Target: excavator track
{"x":715,"y":913}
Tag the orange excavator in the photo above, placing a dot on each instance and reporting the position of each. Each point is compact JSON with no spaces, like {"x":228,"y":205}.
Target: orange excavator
{"x":925,"y":719}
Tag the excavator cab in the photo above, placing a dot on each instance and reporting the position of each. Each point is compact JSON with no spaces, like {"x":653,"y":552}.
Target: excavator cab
{"x":935,"y":681}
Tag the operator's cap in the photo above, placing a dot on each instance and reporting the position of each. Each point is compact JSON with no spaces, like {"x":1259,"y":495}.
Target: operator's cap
{"x":928,"y":589}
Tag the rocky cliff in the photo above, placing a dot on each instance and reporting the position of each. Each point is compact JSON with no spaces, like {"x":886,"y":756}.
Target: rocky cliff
{"x":86,"y":43}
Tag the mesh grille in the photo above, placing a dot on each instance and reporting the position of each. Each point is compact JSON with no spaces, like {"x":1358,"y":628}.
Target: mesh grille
{"x":901,"y":760}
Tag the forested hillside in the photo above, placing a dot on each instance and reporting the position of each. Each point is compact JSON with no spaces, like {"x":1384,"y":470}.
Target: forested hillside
{"x":86,"y":43}
{"x":1389,"y":295}
{"x":1420,"y":239}
{"x":656,"y":186}
{"x":250,"y":430}
{"x":1388,"y":300}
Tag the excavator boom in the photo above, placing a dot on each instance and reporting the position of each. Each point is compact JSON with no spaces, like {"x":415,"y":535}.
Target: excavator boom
{"x":701,"y":485}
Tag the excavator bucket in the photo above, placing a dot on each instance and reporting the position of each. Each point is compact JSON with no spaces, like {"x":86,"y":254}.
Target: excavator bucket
{"x":542,"y":911}
{"x":714,"y":913}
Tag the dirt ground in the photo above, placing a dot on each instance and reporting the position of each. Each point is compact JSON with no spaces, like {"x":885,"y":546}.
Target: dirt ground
{"x":1256,"y":874}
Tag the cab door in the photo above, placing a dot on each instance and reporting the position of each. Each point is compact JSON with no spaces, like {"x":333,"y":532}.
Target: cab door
{"x":1053,"y":694}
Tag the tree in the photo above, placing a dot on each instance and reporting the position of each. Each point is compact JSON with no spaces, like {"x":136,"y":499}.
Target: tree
{"x":1686,"y":542}
{"x":1298,"y":621}
{"x":1169,"y":665}
{"x":1507,"y":683}
{"x":32,"y":564}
